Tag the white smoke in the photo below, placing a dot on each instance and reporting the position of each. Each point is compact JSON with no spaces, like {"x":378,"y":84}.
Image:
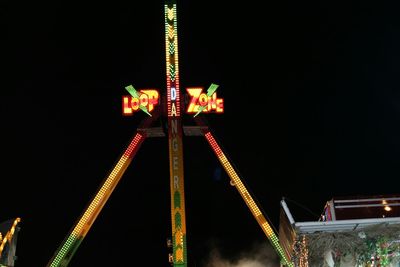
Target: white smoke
{"x":259,"y":255}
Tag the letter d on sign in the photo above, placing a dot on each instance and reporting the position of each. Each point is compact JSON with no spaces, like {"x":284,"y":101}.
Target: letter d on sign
{"x":173,"y":93}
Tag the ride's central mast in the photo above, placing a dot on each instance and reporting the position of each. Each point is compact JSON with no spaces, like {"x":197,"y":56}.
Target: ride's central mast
{"x":178,"y":217}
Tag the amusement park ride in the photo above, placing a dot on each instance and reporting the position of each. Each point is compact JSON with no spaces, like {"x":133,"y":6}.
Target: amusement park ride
{"x":148,"y":101}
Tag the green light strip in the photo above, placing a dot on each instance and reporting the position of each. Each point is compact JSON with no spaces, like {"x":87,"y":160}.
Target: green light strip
{"x":61,"y":259}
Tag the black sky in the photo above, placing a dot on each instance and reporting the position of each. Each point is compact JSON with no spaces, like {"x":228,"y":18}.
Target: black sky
{"x":312,"y":111}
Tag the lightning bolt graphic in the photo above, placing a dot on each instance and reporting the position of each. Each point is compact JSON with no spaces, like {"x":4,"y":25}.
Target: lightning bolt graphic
{"x":135,"y":93}
{"x":213,"y":87}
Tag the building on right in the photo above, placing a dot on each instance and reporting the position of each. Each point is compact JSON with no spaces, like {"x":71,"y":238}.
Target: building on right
{"x":351,"y":232}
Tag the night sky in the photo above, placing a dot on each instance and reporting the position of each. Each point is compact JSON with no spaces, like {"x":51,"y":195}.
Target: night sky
{"x":312,"y":111}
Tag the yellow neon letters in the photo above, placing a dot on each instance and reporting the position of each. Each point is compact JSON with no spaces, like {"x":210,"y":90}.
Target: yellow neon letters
{"x":147,"y":98}
{"x":200,"y":99}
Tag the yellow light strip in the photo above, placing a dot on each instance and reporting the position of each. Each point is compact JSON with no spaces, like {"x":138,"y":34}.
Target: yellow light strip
{"x":172,"y":65}
{"x":8,"y":236}
{"x":177,"y":74}
{"x":96,"y":205}
{"x":105,"y":191}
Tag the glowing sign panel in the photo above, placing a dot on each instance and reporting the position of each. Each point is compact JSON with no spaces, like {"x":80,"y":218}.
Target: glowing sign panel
{"x":203,"y":102}
{"x":146,"y":98}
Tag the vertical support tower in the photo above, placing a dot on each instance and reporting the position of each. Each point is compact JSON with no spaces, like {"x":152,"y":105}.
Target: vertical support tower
{"x":178,"y":217}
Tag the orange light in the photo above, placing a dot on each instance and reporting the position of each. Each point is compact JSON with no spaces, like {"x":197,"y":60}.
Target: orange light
{"x":387,"y":208}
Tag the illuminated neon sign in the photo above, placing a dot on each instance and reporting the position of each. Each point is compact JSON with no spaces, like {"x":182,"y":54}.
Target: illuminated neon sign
{"x":204,"y":102}
{"x":144,"y":99}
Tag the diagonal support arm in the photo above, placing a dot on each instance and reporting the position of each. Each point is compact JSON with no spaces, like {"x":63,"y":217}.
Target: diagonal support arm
{"x":69,"y":246}
{"x":255,"y":210}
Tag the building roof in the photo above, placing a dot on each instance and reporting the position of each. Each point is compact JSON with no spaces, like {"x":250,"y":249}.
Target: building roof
{"x":345,"y":208}
{"x":342,"y":225}
{"x":345,"y":224}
